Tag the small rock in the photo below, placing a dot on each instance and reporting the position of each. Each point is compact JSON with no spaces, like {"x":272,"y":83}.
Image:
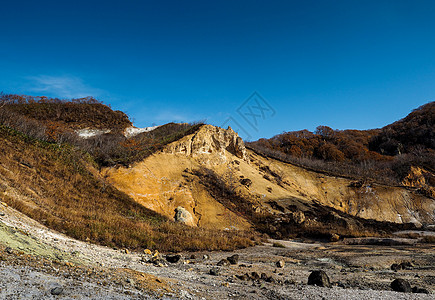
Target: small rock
{"x":319,"y":278}
{"x":243,"y":277}
{"x":223,"y":262}
{"x":255,"y":276}
{"x":173,"y":258}
{"x":2,"y":213}
{"x":9,"y":250}
{"x":401,"y":285}
{"x":147,"y":251}
{"x":234,"y":259}
{"x":56,"y":291}
{"x":280,"y":264}
{"x":267,"y":278}
{"x":126,"y":251}
{"x":192,"y":256}
{"x":215,"y":271}
{"x":395,"y":267}
{"x":406,"y":265}
{"x":205,"y":256}
{"x":334,"y":237}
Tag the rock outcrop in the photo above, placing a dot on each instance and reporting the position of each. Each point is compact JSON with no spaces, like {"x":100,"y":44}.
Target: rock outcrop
{"x":210,"y":140}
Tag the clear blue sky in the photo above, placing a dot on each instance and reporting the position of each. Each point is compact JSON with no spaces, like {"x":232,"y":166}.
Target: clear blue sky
{"x":344,"y":64}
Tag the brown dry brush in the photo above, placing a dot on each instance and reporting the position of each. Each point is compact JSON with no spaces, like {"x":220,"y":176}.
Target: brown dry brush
{"x":54,"y":163}
{"x":382,"y":155}
{"x":69,"y":198}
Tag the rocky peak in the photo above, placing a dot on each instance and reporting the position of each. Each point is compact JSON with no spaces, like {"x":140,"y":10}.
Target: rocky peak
{"x":209,"y":140}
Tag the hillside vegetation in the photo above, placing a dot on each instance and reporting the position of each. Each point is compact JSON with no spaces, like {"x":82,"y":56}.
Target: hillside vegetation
{"x":384,"y":155}
{"x":55,"y":120}
{"x":56,"y":182}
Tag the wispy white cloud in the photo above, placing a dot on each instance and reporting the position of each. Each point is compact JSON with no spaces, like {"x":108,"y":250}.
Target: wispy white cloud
{"x":169,"y":116}
{"x":65,"y":86}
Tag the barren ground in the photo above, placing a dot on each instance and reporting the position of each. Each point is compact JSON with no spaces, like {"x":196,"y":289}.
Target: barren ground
{"x":35,"y":259}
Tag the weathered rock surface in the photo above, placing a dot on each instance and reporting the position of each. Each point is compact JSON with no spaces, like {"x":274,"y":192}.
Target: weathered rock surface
{"x":182,"y":215}
{"x":210,"y":140}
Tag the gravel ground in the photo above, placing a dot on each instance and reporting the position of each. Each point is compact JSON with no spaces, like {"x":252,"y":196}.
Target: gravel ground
{"x":34,"y":260}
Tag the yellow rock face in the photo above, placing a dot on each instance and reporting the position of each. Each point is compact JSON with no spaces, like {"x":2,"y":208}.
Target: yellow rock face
{"x":164,"y":181}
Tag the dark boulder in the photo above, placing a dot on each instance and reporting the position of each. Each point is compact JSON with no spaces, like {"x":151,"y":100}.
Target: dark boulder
{"x":215,"y":271}
{"x":234,"y":259}
{"x":319,"y":278}
{"x":401,"y":285}
{"x":223,"y":262}
{"x":173,"y":258}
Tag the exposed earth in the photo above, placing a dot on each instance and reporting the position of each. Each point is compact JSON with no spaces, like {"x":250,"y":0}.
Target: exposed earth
{"x":37,"y":262}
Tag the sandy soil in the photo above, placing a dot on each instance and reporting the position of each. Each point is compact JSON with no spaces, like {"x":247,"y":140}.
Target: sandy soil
{"x":34,"y":260}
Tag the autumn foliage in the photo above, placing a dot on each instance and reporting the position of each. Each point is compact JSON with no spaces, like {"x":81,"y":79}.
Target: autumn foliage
{"x":382,"y":154}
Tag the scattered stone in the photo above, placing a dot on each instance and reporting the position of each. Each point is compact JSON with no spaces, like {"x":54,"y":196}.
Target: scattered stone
{"x":401,"y":285}
{"x":420,"y":290}
{"x":402,"y":266}
{"x":223,"y":262}
{"x":243,"y":277}
{"x":126,"y":251}
{"x":334,"y":237}
{"x":267,"y":278}
{"x":255,"y":276}
{"x":233,"y":259}
{"x":280,"y":263}
{"x":157,"y":260}
{"x":215,"y":271}
{"x":2,"y":213}
{"x":205,"y":256}
{"x":56,"y":291}
{"x":319,"y":278}
{"x":9,"y":250}
{"x":406,"y":265}
{"x":173,"y":258}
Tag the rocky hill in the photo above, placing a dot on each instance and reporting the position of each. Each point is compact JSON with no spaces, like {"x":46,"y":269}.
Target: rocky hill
{"x":224,"y":185}
{"x":200,"y":176}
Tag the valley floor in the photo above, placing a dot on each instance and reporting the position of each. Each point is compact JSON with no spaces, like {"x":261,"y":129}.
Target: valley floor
{"x":34,"y":261}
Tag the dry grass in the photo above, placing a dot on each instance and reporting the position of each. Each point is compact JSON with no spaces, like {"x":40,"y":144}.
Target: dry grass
{"x":55,"y":185}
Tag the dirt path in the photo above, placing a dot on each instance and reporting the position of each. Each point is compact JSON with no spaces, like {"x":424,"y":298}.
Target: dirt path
{"x":41,"y":259}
